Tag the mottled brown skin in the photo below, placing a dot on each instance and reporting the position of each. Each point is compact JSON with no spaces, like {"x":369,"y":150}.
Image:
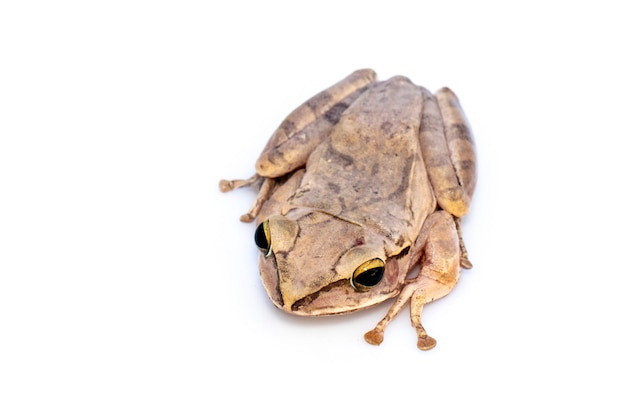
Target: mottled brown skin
{"x":364,"y":171}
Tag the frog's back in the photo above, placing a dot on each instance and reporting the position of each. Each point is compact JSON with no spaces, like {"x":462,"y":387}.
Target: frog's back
{"x":370,"y":169}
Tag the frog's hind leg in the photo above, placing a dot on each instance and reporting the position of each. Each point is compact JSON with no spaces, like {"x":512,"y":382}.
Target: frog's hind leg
{"x":376,"y":335}
{"x":460,"y":143}
{"x":440,"y":270}
{"x":309,"y":124}
{"x":298,"y":135}
{"x":440,"y":260}
{"x":449,"y":156}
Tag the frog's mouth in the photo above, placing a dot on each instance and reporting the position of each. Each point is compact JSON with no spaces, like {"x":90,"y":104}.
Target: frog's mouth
{"x":338,"y":297}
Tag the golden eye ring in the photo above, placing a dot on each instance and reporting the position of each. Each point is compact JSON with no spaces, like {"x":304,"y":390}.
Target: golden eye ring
{"x":368,"y":275}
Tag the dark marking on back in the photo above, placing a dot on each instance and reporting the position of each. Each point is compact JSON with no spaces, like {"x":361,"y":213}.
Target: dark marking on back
{"x":386,"y":127}
{"x":339,"y":158}
{"x":342,"y":203}
{"x":375,"y":168}
{"x":334,"y":187}
{"x":406,"y":176}
{"x":334,"y":113}
{"x":430,"y":123}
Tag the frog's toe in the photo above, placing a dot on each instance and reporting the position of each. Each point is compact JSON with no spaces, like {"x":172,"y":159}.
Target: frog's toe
{"x":466,"y":263}
{"x":426,"y":342}
{"x":229,"y":185}
{"x":247,"y":218}
{"x":226,"y":185}
{"x":374,"y":337}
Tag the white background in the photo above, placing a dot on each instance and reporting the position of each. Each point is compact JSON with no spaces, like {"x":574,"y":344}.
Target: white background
{"x":128,"y":286}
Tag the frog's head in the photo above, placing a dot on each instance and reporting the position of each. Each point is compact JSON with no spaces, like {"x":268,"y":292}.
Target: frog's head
{"x":314,"y":263}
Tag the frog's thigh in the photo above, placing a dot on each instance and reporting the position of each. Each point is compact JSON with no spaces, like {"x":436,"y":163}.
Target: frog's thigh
{"x":440,"y":269}
{"x":448,"y":150}
{"x":303,"y":130}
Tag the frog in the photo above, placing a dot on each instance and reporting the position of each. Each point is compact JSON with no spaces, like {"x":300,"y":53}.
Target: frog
{"x":360,"y":195}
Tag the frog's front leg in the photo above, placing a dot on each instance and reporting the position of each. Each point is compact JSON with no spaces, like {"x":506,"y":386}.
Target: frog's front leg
{"x":439,"y":253}
{"x":449,"y":156}
{"x":299,"y":134}
{"x":264,"y":185}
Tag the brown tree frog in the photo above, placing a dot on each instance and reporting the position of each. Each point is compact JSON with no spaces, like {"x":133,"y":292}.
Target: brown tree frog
{"x":360,"y":185}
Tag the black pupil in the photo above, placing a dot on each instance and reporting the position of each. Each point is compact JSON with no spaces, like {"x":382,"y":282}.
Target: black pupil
{"x":370,"y":277}
{"x":260,"y":239}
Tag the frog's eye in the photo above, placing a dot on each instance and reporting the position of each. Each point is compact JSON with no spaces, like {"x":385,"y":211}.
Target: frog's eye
{"x":262,"y":238}
{"x":368,"y":274}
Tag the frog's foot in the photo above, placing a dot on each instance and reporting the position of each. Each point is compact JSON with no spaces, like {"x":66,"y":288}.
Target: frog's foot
{"x":409,"y":292}
{"x":424,"y":342}
{"x":440,"y":270}
{"x":229,"y":185}
{"x":374,"y":336}
{"x":265,"y":186}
